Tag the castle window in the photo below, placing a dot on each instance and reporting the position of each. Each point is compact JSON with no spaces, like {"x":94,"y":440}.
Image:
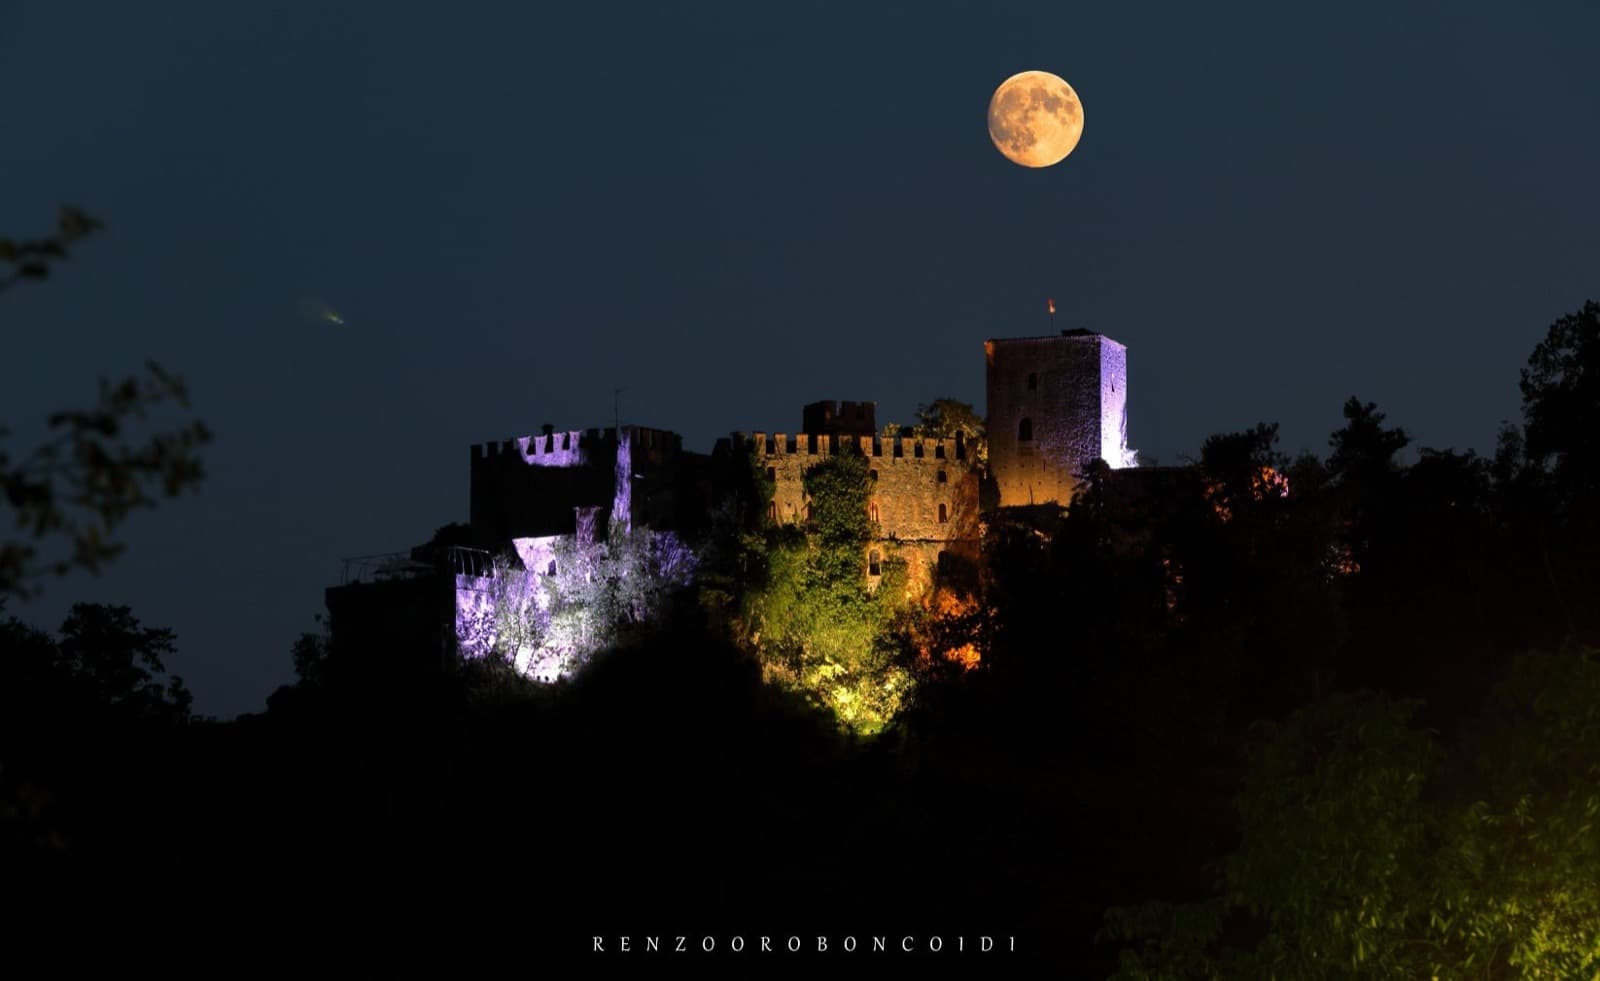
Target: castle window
{"x":872,"y":475}
{"x":941,"y":477}
{"x":944,"y":513}
{"x":1025,"y":430}
{"x":872,"y":512}
{"x":874,"y":566}
{"x":772,"y":473}
{"x":550,"y":569}
{"x":1033,"y":381}
{"x":772,"y":511}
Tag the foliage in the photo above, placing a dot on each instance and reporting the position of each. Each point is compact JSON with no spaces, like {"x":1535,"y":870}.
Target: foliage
{"x":31,"y":258}
{"x":1367,"y":850}
{"x":817,"y":626}
{"x":1561,"y":396}
{"x":82,"y":482}
{"x":551,"y":625}
{"x":106,"y":649}
{"x":1364,"y":450}
{"x":517,"y":622}
{"x":104,"y":661}
{"x":943,"y":418}
{"x":1243,"y":468}
{"x":309,"y":653}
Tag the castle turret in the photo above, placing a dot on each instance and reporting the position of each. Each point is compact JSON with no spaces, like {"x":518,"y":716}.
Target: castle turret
{"x":1055,"y":404}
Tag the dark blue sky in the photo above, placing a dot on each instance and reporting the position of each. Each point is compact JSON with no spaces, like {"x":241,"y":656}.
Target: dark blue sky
{"x":731,"y":209}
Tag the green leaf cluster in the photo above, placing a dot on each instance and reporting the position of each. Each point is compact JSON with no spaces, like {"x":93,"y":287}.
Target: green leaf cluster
{"x":816,"y":624}
{"x":1368,"y":850}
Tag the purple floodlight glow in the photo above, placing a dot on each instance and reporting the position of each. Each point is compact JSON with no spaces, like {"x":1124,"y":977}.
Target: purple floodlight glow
{"x":548,"y":626}
{"x":563,"y":449}
{"x":1114,"y":406}
{"x":622,"y":499}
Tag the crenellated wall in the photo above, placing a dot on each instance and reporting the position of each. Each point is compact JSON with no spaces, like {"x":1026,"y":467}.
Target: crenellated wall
{"x":923,"y":493}
{"x":529,"y":485}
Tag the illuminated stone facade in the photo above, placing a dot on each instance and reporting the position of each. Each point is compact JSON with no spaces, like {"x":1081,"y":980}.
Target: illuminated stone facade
{"x":923,"y":494}
{"x":1055,"y":404}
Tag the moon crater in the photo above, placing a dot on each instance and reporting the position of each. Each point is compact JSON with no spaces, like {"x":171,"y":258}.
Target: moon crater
{"x":1035,"y":119}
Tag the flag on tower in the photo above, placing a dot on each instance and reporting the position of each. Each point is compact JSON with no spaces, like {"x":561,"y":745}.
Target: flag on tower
{"x":1051,"y":304}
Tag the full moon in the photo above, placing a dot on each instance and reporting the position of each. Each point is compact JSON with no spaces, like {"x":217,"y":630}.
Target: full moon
{"x":1035,"y":119}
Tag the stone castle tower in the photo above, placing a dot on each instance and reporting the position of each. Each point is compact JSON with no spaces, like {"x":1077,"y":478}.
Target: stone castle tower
{"x":1055,"y":404}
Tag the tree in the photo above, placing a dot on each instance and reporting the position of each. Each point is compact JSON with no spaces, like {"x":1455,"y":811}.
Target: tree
{"x":120,"y":660}
{"x":1367,"y":850}
{"x":1244,"y":469}
{"x":70,"y":494}
{"x":104,"y":662}
{"x":1364,"y":450}
{"x":31,"y":258}
{"x":549,"y":625}
{"x":1561,"y":398}
{"x":816,"y":624}
{"x":943,"y":418}
{"x":310,"y":656}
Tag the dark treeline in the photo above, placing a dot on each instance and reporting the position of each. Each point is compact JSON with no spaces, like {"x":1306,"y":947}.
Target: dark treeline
{"x":1264,"y":715}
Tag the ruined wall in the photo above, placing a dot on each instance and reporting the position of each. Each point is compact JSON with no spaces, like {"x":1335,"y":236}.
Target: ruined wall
{"x":1054,"y":404}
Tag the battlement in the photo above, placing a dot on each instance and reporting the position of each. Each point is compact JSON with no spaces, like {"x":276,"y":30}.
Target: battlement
{"x":572,"y":447}
{"x":824,"y":445}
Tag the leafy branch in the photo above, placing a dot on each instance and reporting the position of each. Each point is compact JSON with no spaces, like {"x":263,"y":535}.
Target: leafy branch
{"x":90,"y":473}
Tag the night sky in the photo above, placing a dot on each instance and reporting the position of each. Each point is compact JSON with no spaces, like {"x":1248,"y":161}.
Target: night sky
{"x":732,"y":209}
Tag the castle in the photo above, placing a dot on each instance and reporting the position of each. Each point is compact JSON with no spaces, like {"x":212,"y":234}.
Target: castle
{"x":1055,"y":405}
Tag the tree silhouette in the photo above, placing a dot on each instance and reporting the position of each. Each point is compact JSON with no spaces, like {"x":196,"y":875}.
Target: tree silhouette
{"x":1561,"y":399}
{"x":69,"y":495}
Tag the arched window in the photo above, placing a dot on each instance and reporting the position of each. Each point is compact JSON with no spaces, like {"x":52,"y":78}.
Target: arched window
{"x":872,"y":512}
{"x":872,"y":475}
{"x":550,"y":569}
{"x":1025,"y":430}
{"x":772,"y":511}
{"x":874,"y":568}
{"x":944,"y":514}
{"x":941,"y":478}
{"x":1033,"y":381}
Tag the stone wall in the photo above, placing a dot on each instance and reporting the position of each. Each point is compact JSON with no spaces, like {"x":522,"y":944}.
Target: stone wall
{"x":1054,"y":404}
{"x":923,"y":493}
{"x":530,"y":485}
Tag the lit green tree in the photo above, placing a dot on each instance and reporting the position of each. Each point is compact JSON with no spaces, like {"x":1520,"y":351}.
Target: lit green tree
{"x":816,"y":623}
{"x":1367,"y":851}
